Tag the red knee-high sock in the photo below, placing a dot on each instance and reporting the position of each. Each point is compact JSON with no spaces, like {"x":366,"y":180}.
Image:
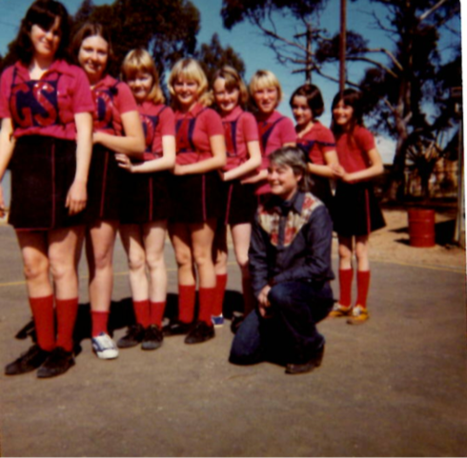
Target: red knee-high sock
{"x":44,"y":321}
{"x":218,"y":302}
{"x":345,"y":285}
{"x":99,"y":322}
{"x":157,"y":312}
{"x":142,"y":312}
{"x":186,"y":302}
{"x":67,"y":310}
{"x":206,"y":299}
{"x":363,"y":286}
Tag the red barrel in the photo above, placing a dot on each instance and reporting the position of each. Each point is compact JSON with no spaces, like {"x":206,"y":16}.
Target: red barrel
{"x":422,"y":227}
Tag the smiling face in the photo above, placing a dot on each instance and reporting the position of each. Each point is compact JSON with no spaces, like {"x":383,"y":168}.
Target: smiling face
{"x":301,"y":111}
{"x":282,"y":180}
{"x":45,"y":42}
{"x":342,"y":114}
{"x":141,"y":84}
{"x":93,"y":57}
{"x":226,"y":99}
{"x":266,"y":99}
{"x":186,"y":92}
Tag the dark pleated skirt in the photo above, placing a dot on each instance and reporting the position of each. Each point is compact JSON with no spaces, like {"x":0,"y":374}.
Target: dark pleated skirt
{"x":42,"y":171}
{"x":356,"y":210}
{"x":103,"y":187}
{"x":144,"y":197}
{"x":238,"y":202}
{"x":195,"y":198}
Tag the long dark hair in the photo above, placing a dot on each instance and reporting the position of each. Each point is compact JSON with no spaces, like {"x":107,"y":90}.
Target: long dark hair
{"x":295,"y":158}
{"x":43,"y":14}
{"x":313,"y":96}
{"x":353,"y":98}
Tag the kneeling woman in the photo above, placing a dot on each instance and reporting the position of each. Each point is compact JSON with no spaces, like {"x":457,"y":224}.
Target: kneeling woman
{"x":290,"y":266}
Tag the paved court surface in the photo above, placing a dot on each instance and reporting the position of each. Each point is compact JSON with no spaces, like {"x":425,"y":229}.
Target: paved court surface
{"x":396,"y":386}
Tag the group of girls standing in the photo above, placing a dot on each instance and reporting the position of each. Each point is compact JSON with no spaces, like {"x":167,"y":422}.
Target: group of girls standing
{"x":92,"y":155}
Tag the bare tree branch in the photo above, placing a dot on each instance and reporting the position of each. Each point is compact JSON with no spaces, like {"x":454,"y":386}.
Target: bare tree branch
{"x":374,"y":62}
{"x":423,"y":16}
{"x":389,"y":54}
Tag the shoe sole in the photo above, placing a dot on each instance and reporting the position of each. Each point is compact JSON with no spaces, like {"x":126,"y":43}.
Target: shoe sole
{"x":41,"y":375}
{"x":100,"y":356}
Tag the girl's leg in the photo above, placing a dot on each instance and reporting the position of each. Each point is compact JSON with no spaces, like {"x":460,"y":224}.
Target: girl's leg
{"x":34,"y":248}
{"x":220,"y":255}
{"x":63,"y":245}
{"x":241,"y":234}
{"x":360,"y":314}
{"x":100,"y":243}
{"x":181,"y":241}
{"x":132,"y":240}
{"x":154,"y":242}
{"x":344,"y":307}
{"x":202,"y":237}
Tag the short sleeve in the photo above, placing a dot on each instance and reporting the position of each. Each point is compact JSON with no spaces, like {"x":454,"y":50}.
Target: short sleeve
{"x":364,"y":139}
{"x":82,"y":96}
{"x":5,"y":89}
{"x":125,"y":101}
{"x":327,"y":140}
{"x":167,"y":122}
{"x":250,"y":128}
{"x":213,"y":123}
{"x":287,"y":131}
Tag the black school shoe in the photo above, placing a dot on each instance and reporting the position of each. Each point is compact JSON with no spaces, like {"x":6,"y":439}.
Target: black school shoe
{"x":153,"y":338}
{"x":58,"y":362}
{"x":134,"y":336}
{"x":303,"y":368}
{"x":200,"y":332}
{"x":28,"y":361}
{"x":177,"y":328}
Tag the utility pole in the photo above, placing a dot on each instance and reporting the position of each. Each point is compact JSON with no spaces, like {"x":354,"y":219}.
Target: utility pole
{"x":342,"y":46}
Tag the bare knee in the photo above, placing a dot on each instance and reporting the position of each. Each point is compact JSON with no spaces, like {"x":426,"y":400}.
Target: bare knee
{"x":35,"y":268}
{"x":136,"y":262}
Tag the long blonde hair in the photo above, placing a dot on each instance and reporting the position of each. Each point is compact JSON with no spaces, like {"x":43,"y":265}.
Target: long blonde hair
{"x":264,"y":79}
{"x":139,"y":60}
{"x":191,"y":70}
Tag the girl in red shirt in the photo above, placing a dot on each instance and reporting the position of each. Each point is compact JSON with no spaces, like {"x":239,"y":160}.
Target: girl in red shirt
{"x":356,"y":210}
{"x":238,"y":200}
{"x":275,"y":130}
{"x":145,"y":202}
{"x":45,"y":106}
{"x":115,"y":112}
{"x":316,"y":140}
{"x":195,"y":193}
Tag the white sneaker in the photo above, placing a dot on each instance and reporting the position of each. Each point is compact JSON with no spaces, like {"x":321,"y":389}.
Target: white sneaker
{"x":104,"y":347}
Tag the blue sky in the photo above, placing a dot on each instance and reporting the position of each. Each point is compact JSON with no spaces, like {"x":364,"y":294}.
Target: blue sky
{"x":249,"y":43}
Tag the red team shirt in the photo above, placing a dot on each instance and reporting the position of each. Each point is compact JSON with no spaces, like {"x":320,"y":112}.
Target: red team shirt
{"x":275,"y":130}
{"x":240,"y":128}
{"x":112,"y":98}
{"x":353,"y":152}
{"x":46,"y":106}
{"x":317,"y":142}
{"x":193,"y":132}
{"x":158,"y":121}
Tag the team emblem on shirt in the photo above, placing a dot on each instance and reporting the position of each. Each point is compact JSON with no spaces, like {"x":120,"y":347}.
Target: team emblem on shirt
{"x":34,"y":103}
{"x":149,"y":128}
{"x":104,"y":107}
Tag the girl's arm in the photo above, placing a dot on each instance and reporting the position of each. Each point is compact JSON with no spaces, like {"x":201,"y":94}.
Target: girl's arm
{"x":256,"y":178}
{"x":215,"y":162}
{"x":77,"y":194}
{"x":132,"y":143}
{"x":6,"y":151}
{"x":376,"y":168}
{"x":253,"y":162}
{"x":327,"y":170}
{"x":167,"y":161}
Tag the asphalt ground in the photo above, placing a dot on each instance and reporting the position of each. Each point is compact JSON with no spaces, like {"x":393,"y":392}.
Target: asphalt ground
{"x":395,"y":386}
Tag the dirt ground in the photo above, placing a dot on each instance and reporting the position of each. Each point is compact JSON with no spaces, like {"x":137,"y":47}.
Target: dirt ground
{"x":392,"y":242}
